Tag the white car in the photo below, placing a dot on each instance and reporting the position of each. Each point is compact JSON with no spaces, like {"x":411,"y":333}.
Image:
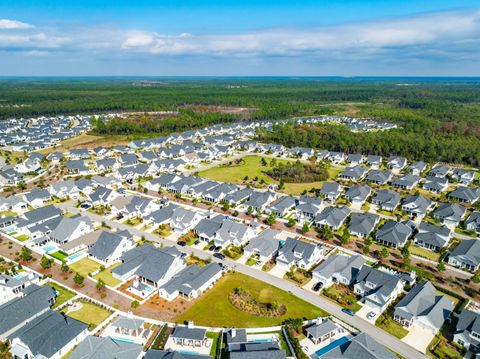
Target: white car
{"x":371,"y":315}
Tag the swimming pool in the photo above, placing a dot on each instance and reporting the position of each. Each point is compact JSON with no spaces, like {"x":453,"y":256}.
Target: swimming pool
{"x":331,"y":346}
{"x":75,"y":256}
{"x":188,"y":352}
{"x":123,"y":340}
{"x":49,"y":248}
{"x":265,"y":340}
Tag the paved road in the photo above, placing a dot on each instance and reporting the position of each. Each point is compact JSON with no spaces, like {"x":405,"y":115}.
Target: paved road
{"x":383,"y":337}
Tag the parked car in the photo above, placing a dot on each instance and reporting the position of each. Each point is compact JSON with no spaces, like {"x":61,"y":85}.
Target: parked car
{"x":182,"y":243}
{"x":85,"y":206}
{"x":197,"y":242}
{"x":317,"y":286}
{"x":119,"y":217}
{"x":219,"y":256}
{"x":211,"y":248}
{"x":348,"y":311}
{"x":371,"y":315}
{"x":218,"y":249}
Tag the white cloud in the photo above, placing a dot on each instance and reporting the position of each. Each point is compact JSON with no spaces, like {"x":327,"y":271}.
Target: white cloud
{"x":14,"y":24}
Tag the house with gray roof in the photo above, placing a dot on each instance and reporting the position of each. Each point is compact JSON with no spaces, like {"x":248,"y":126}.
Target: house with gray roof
{"x":183,"y":220}
{"x":339,"y":268}
{"x":160,"y":216}
{"x":37,"y":197}
{"x":406,"y":181}
{"x":357,"y":195}
{"x":332,"y":217}
{"x":70,"y":228}
{"x":330,"y":191}
{"x":191,"y":282}
{"x":355,"y":173}
{"x":259,"y":201}
{"x":394,"y":234}
{"x":265,"y":245}
{"x":307,"y":207}
{"x":463,"y":176}
{"x":282,"y":206}
{"x":417,"y":168}
{"x":436,"y":184}
{"x":472,"y":223}
{"x":362,"y":224}
{"x":467,"y":330}
{"x":416,"y":206}
{"x":77,"y":167}
{"x":18,"y":311}
{"x":188,"y":336}
{"x":63,"y":189}
{"x":362,"y":346}
{"x":321,"y":331}
{"x":105,"y":164}
{"x":432,"y":237}
{"x":240,"y":347}
{"x":235,"y":198}
{"x":423,"y":307}
{"x":93,"y":347}
{"x":396,"y":163}
{"x":465,"y":194}
{"x":466,"y":255}
{"x":378,"y":176}
{"x":162,"y":182}
{"x":151,"y":265}
{"x":386,"y":199}
{"x":299,"y":253}
{"x":110,"y":246}
{"x":355,"y":159}
{"x":50,"y":335}
{"x":440,"y":171}
{"x":450,"y":214}
{"x":378,"y":288}
{"x":79,"y":153}
{"x":374,"y":161}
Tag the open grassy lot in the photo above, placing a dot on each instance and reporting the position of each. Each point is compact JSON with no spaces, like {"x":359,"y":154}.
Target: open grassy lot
{"x":85,"y":266}
{"x":63,"y":294}
{"x":60,"y":255}
{"x":87,"y":141}
{"x":214,"y":308}
{"x":90,"y":314}
{"x":253,"y":168}
{"x":23,"y":237}
{"x":386,"y":322}
{"x":107,"y":277}
{"x":425,"y":253}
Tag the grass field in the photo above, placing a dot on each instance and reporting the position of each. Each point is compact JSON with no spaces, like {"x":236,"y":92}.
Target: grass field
{"x":214,"y":308}
{"x":61,"y":256}
{"x":253,"y":168}
{"x":87,"y":141}
{"x":107,"y":277}
{"x":23,"y":237}
{"x":63,"y":296}
{"x":85,"y":266}
{"x":90,"y":314}
{"x":425,"y":253}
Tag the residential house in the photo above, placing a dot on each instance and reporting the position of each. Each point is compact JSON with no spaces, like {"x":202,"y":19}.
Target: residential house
{"x":357,"y":195}
{"x":106,"y":348}
{"x":440,"y":171}
{"x":183,"y":220}
{"x":360,"y":347}
{"x":463,"y":176}
{"x":406,"y":182}
{"x":298,"y":253}
{"x":281,"y":207}
{"x":396,"y":163}
{"x":417,"y":168}
{"x":70,"y":228}
{"x":416,"y":206}
{"x":265,"y":245}
{"x":110,"y":246}
{"x":432,"y":237}
{"x":450,"y":214}
{"x":394,"y":234}
{"x":423,"y":307}
{"x":339,"y":268}
{"x":332,"y":217}
{"x":258,"y":201}
{"x":355,"y":159}
{"x":375,"y":162}
{"x":467,"y":330}
{"x":355,"y":173}
{"x":379,"y":177}
{"x":435,"y":184}
{"x":77,"y":167}
{"x":386,"y":199}
{"x":321,"y":331}
{"x":472,"y":223}
{"x":466,"y":255}
{"x":330,"y":191}
{"x":308,"y":207}
{"x":465,"y":194}
{"x":362,"y":224}
{"x":37,"y":197}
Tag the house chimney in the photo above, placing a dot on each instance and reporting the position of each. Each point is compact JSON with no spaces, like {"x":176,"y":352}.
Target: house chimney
{"x":190,"y":324}
{"x":234,"y":332}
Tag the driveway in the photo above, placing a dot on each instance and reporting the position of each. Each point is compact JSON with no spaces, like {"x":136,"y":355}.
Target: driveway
{"x":419,"y":338}
{"x":362,"y":313}
{"x":278,"y":271}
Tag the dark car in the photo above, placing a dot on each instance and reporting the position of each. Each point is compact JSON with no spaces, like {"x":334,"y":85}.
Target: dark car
{"x":197,"y":242}
{"x":218,"y":249}
{"x":348,"y":311}
{"x":120,"y":216}
{"x":211,"y":248}
{"x":219,"y":256}
{"x":182,"y":243}
{"x":85,"y":206}
{"x":317,"y":286}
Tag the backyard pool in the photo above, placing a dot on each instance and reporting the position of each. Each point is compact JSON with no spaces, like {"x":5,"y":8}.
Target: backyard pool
{"x":75,"y":256}
{"x":123,"y":340}
{"x":49,"y":248}
{"x":332,"y":345}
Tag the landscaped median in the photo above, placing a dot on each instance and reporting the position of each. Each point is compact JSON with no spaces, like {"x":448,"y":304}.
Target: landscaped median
{"x":214,"y":308}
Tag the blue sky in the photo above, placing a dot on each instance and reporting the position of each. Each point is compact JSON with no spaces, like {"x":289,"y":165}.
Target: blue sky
{"x":266,"y":38}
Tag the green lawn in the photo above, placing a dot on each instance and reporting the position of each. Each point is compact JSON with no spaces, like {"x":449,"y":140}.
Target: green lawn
{"x":61,"y":256}
{"x":386,"y":322}
{"x":425,"y":253}
{"x":107,"y":277}
{"x":214,"y":309}
{"x":23,"y":237}
{"x":90,"y":314}
{"x":252,"y":168}
{"x":8,"y":214}
{"x":63,"y":296}
{"x":85,"y":266}
{"x":214,"y":336}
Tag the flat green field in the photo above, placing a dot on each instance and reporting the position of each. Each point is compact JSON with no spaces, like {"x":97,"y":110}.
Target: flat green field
{"x":253,"y":168}
{"x":85,"y":266}
{"x":107,"y":277}
{"x":425,"y":253}
{"x":90,"y":314}
{"x":214,"y":308}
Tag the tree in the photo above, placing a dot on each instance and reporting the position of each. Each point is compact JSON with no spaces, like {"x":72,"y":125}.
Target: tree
{"x":26,"y":254}
{"x":21,"y":185}
{"x":305,"y":228}
{"x":441,"y":267}
{"x":46,"y":263}
{"x":250,"y":210}
{"x":384,"y":252}
{"x":345,"y":236}
{"x":291,"y":222}
{"x":263,"y":162}
{"x":135,"y":304}
{"x":476,"y":278}
{"x":366,"y":249}
{"x":78,"y":279}
{"x":271,"y":219}
{"x":327,"y":233}
{"x":100,"y":285}
{"x":64,"y":268}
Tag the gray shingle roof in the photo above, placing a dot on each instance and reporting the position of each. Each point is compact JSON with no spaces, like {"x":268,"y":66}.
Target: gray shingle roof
{"x":105,"y":348}
{"x":362,"y":346}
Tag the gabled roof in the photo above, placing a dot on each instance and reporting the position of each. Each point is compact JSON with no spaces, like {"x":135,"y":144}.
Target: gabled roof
{"x":266,"y":243}
{"x":93,"y":347}
{"x":363,"y":223}
{"x":363,"y":346}
{"x":468,"y":251}
{"x":106,"y":245}
{"x":394,"y":232}
{"x":347,"y":266}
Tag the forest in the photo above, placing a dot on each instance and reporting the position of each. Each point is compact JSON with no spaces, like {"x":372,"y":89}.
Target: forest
{"x":439,"y":117}
{"x":298,"y":172}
